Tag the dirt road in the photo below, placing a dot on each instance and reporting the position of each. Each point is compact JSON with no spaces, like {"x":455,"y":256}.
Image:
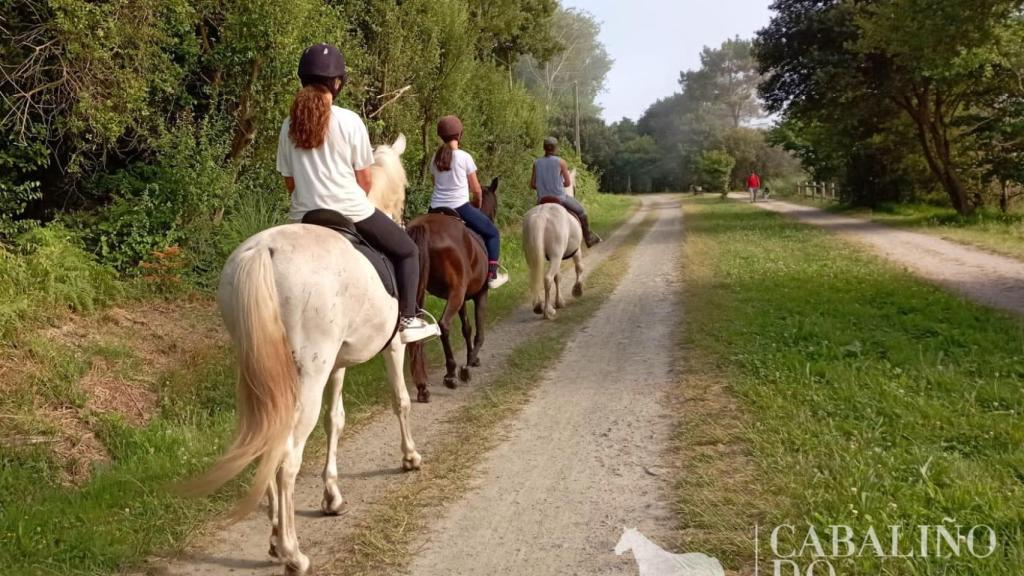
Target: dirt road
{"x":368,"y":462}
{"x":583,"y":459}
{"x":982,"y":276}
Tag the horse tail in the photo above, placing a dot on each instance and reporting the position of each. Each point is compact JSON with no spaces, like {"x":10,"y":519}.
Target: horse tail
{"x":420,"y":235}
{"x":533,"y":245}
{"x":266,"y":388}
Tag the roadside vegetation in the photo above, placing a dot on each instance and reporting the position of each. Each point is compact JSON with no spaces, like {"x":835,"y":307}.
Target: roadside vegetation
{"x":837,"y":389}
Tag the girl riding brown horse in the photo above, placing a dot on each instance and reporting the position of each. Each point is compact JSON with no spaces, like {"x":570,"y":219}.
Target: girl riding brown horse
{"x":453,"y":267}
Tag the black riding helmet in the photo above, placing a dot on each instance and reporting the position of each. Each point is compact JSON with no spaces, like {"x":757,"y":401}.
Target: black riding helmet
{"x":321,"y":64}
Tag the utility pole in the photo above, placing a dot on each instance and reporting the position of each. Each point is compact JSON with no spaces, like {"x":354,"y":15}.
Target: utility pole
{"x":576,"y":90}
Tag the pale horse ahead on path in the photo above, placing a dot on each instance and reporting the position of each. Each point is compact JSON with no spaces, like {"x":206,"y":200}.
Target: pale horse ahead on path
{"x":551,"y":233}
{"x":655,"y":561}
{"x":302,"y":305}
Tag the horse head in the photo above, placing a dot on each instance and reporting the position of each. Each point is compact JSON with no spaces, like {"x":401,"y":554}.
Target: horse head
{"x":489,"y":200}
{"x":389,"y":179}
{"x":630,"y":538}
{"x":571,"y":189}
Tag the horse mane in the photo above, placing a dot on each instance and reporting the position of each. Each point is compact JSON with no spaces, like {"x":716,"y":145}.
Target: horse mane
{"x":389,"y":179}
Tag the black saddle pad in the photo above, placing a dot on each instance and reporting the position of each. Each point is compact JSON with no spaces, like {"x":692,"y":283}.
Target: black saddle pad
{"x":447,"y":212}
{"x":454,"y":214}
{"x":339,"y":223}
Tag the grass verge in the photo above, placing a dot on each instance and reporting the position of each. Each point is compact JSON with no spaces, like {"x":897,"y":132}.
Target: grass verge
{"x":382,"y":544}
{"x":987,"y":228}
{"x":848,"y":393}
{"x":123,"y":512}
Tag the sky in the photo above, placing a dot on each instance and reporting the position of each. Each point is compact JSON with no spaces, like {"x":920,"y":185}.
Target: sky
{"x":651,"y":41}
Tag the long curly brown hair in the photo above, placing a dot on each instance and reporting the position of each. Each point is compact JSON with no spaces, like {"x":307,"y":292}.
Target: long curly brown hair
{"x":310,"y":115}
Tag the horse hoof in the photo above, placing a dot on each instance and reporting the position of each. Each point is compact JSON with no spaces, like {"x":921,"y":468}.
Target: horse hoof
{"x":538,"y":309}
{"x":475,"y":362}
{"x":464,"y":374}
{"x":423,"y":395}
{"x":559,"y":305}
{"x":412,"y":462}
{"x":298,"y":570}
{"x":450,"y":382}
{"x":332,"y":505}
{"x":577,"y":290}
{"x":549,"y":314}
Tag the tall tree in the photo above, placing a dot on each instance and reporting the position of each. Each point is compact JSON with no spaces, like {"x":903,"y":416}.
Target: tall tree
{"x":726,"y":81}
{"x":582,"y":62}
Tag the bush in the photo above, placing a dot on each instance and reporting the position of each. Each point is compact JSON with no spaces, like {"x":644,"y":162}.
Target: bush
{"x":713,"y":168}
{"x":47,"y":272}
{"x":176,"y":200}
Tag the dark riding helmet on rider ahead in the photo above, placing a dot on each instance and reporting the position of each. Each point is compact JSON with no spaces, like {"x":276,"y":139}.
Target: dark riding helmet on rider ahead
{"x":449,"y":128}
{"x":321,"y":64}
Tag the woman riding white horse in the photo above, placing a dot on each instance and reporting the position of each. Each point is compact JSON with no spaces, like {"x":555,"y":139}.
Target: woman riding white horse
{"x":552,"y":234}
{"x":302,"y":305}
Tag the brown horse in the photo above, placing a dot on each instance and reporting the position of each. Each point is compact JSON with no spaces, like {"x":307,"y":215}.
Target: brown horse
{"x":453,"y":267}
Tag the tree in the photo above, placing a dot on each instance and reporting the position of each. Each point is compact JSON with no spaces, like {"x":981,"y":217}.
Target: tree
{"x":713,"y":168}
{"x":582,"y":62}
{"x":931,"y":61}
{"x":726,"y":81}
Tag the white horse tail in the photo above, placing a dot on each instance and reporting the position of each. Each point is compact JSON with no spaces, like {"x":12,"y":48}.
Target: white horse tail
{"x":266,"y":388}
{"x":533,"y":245}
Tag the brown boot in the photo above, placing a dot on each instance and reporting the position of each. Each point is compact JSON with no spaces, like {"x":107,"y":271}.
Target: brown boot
{"x":589,"y":238}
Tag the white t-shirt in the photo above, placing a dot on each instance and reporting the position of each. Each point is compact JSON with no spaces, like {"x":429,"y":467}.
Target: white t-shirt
{"x":451,"y":187}
{"x":325,"y":177}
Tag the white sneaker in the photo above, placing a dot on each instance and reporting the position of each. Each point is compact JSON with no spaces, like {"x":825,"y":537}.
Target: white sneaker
{"x":500,"y":278}
{"x":413,"y":329}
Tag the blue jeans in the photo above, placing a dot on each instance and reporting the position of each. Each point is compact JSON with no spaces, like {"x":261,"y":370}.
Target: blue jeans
{"x":483,"y":226}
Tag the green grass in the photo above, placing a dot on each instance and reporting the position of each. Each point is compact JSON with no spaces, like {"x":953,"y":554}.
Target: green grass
{"x":864,"y":396}
{"x":987,"y":228}
{"x":125,"y":512}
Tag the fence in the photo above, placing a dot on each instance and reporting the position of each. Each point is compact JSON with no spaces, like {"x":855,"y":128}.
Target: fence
{"x":822,"y":190}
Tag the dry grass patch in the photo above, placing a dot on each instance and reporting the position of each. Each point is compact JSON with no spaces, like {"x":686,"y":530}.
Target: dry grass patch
{"x":57,"y":382}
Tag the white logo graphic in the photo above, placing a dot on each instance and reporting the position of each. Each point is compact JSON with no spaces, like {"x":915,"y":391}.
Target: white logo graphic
{"x":654,"y":561}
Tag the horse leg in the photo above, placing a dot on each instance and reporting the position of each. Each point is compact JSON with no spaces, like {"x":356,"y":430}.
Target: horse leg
{"x":479,"y":314}
{"x":550,"y":285}
{"x":394,"y":360}
{"x":273,"y":512}
{"x":417,"y":357}
{"x":456,"y":299}
{"x":577,"y":260}
{"x":559,"y":300}
{"x":467,"y":335}
{"x":311,"y":396}
{"x":334,"y":424}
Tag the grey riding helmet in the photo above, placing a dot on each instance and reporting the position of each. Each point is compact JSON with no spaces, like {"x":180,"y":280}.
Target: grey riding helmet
{"x":321,"y":64}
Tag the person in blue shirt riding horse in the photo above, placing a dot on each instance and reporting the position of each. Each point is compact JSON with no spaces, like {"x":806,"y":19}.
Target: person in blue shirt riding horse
{"x":551,"y":179}
{"x":456,"y":184}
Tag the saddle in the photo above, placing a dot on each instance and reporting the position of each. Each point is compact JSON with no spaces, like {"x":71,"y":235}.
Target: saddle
{"x":451,"y":212}
{"x":557,"y":200}
{"x":341,"y":224}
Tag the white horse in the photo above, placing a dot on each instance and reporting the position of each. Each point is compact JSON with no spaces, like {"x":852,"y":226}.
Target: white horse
{"x":302,"y":305}
{"x":389,"y":180}
{"x":552,"y":233}
{"x":652,"y":560}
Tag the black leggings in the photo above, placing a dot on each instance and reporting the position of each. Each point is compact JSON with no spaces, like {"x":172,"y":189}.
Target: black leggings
{"x":383,"y":234}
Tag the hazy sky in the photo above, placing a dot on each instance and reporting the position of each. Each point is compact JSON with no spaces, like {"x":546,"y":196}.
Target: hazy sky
{"x":651,"y":41}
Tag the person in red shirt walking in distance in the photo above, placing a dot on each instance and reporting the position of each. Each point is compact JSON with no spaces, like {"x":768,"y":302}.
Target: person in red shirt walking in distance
{"x":753,"y":185}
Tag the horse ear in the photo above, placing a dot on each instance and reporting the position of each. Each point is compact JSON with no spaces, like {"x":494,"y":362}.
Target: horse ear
{"x":494,"y":184}
{"x":399,"y":145}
